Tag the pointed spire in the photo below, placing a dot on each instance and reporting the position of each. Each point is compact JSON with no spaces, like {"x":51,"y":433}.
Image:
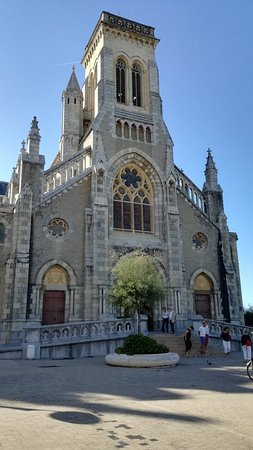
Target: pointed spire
{"x":23,"y":149}
{"x":212,"y":190}
{"x":72,"y":117}
{"x":73,"y":83}
{"x":210,"y":162}
{"x":211,"y":171}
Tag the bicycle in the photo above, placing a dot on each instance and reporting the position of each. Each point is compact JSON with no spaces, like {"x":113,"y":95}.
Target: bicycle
{"x":249,"y":368}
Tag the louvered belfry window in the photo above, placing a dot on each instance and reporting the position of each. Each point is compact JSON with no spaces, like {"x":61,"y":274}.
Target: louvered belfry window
{"x":132,"y":200}
{"x":121,"y":81}
{"x":136,"y":85}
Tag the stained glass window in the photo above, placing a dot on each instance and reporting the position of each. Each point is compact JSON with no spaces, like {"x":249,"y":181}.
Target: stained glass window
{"x":132,"y":200}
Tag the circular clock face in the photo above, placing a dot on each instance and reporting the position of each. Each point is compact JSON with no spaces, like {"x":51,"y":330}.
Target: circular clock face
{"x":199,"y":241}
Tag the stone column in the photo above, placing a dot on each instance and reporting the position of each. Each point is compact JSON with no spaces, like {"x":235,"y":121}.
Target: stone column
{"x":88,"y":265}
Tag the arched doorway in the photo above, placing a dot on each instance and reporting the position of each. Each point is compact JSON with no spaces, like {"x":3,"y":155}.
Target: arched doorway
{"x":54,"y":293}
{"x":203,"y":292}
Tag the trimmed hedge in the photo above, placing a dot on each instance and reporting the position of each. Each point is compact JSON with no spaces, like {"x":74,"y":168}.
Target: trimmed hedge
{"x":138,"y":344}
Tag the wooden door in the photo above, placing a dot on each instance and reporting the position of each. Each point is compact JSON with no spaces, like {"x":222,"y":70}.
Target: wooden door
{"x":53,"y":307}
{"x":202,"y":305}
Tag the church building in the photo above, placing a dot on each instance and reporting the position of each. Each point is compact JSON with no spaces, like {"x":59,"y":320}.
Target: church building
{"x":113,"y":187}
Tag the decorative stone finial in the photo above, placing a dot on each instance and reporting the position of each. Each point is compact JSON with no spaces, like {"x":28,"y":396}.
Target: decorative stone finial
{"x":210,"y":161}
{"x":34,"y":122}
{"x":34,"y":132}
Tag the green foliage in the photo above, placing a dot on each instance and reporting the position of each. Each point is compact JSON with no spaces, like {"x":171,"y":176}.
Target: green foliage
{"x":248,"y":316}
{"x":137,"y":283}
{"x":138,"y":344}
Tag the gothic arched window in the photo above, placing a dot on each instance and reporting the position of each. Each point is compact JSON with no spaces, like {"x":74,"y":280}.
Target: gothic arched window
{"x":148,"y":135}
{"x":2,"y":233}
{"x":141,"y":133}
{"x":126,"y":130}
{"x":121,"y":81}
{"x":118,"y":128}
{"x":132,"y":200}
{"x":136,"y":85}
{"x":134,"y":132}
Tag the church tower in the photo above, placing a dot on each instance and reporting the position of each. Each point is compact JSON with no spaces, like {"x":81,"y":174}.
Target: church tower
{"x":121,"y":90}
{"x":72,"y":122}
{"x":132,"y":152}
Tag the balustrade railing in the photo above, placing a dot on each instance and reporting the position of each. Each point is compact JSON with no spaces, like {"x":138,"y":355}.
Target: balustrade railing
{"x":236,"y":331}
{"x":192,"y":192}
{"x":62,"y":173}
{"x":81,"y":331}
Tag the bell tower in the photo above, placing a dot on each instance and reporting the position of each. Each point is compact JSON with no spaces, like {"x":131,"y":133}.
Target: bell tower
{"x":212,"y":190}
{"x":121,"y":89}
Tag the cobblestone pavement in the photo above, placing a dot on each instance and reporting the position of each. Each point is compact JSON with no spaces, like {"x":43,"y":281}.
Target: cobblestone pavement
{"x":85,"y":404}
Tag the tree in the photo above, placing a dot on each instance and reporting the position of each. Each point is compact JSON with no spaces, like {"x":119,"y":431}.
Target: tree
{"x":137,"y":284}
{"x":248,"y":316}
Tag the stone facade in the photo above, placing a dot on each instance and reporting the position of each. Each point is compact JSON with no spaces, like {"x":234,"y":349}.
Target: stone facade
{"x":113,"y":187}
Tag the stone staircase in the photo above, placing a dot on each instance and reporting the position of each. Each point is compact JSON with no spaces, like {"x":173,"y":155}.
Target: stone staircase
{"x":175,"y":342}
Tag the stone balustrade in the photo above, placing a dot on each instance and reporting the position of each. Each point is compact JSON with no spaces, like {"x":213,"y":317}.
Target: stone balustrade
{"x":236,"y":331}
{"x":79,"y":339}
{"x":192,"y":192}
{"x":65,"y":171}
{"x":81,"y":331}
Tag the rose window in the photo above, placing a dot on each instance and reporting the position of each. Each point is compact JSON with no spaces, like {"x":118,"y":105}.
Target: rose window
{"x":57,"y":227}
{"x":199,"y":241}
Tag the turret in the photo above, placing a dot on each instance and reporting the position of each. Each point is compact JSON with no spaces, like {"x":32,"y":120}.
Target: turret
{"x":33,"y":140}
{"x":212,"y":190}
{"x":211,"y":172}
{"x":72,"y":120}
{"x":30,"y":165}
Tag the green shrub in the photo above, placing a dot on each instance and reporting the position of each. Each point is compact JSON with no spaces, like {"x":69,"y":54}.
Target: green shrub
{"x":248,"y":316}
{"x":138,"y":344}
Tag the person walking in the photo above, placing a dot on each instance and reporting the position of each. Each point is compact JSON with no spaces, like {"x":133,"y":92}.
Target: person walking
{"x":172,"y":319}
{"x":226,"y":341}
{"x":187,"y":339}
{"x":165,"y":318}
{"x":207,"y":336}
{"x":202,"y":337}
{"x":246,"y":346}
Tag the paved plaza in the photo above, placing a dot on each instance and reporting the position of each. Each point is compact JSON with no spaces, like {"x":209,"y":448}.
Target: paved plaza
{"x":84,"y":404}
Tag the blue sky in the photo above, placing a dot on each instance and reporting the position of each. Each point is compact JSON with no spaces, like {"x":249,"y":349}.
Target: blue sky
{"x":205,"y":60}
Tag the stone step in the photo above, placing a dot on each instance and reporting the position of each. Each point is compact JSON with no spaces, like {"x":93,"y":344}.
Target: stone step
{"x":175,"y":342}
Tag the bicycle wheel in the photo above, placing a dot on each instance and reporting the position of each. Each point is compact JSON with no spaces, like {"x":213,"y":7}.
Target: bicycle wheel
{"x":250,"y":369}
